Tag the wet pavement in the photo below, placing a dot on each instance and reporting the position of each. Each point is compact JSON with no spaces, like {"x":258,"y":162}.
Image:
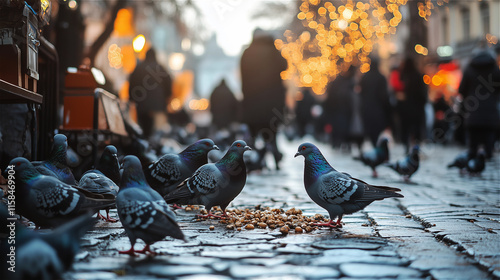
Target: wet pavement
{"x":446,"y":227}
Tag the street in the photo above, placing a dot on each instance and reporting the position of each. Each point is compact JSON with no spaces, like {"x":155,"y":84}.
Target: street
{"x":446,"y":227}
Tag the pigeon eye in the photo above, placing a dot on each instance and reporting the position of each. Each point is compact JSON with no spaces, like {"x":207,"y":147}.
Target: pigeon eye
{"x":238,"y":145}
{"x":303,"y":148}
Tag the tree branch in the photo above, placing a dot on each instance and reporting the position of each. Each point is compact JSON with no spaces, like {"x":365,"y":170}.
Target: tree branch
{"x":109,"y":27}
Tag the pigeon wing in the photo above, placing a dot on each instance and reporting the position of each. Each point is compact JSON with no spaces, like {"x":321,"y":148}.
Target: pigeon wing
{"x":96,"y":182}
{"x":207,"y":179}
{"x":54,"y":197}
{"x":166,"y":170}
{"x":336,"y":188}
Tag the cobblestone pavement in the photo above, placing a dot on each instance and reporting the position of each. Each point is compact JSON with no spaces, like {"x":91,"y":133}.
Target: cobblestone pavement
{"x":446,"y":227}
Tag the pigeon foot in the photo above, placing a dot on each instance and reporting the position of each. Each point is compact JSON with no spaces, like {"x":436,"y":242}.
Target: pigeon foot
{"x":107,"y":218}
{"x":175,"y":206}
{"x":146,"y":250}
{"x":129,"y":252}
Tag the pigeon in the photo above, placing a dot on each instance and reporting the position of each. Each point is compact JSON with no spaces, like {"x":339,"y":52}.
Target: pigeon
{"x":105,"y":178}
{"x":45,"y":256}
{"x":476,"y":165}
{"x":214,"y":183}
{"x":337,"y":192}
{"x":376,"y":156}
{"x":460,"y":161}
{"x":407,"y":166}
{"x":143,"y":212}
{"x":47,"y":201}
{"x":170,"y":170}
{"x":56,"y":165}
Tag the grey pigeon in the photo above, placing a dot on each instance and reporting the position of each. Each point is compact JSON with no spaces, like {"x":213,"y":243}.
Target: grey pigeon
{"x":45,"y":256}
{"x":476,"y":165}
{"x":337,"y":192}
{"x":214,"y":183}
{"x":376,"y":156}
{"x":460,"y":161}
{"x":407,"y":166}
{"x":143,"y":212}
{"x":56,"y":165}
{"x":170,"y":170}
{"x":49,"y":202}
{"x":99,"y":180}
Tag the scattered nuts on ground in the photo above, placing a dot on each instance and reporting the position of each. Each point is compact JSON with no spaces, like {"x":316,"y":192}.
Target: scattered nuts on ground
{"x":266,"y":217}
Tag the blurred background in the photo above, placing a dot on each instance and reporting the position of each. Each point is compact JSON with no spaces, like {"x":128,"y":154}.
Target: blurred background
{"x":85,"y":45}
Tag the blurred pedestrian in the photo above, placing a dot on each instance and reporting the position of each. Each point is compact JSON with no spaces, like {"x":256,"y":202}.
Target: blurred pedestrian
{"x":411,"y":105}
{"x":480,"y":88}
{"x":338,"y":106}
{"x":223,"y":106}
{"x":441,"y":126}
{"x":263,"y":91}
{"x":375,"y":104}
{"x":303,"y":111}
{"x":357,"y":129}
{"x":150,"y":88}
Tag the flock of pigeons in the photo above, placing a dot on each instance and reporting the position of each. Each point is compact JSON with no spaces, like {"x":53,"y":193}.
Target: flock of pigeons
{"x":48,"y":194}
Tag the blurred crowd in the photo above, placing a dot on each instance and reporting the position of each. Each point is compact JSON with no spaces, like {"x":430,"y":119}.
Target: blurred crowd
{"x":355,"y":108}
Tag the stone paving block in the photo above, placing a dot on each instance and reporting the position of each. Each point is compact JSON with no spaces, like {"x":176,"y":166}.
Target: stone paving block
{"x":377,"y":271}
{"x":174,"y":270}
{"x":459,"y":273}
{"x":92,"y":276}
{"x":226,"y":254}
{"x":247,"y":271}
{"x":102,"y":264}
{"x":431,"y":262}
{"x":204,"y":277}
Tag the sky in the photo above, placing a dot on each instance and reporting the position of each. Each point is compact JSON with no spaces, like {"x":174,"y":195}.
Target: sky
{"x":232,"y":22}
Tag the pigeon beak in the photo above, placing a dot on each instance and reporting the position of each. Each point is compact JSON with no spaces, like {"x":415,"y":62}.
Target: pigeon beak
{"x":247,"y":148}
{"x":114,"y":155}
{"x":215,"y":148}
{"x":296,"y":155}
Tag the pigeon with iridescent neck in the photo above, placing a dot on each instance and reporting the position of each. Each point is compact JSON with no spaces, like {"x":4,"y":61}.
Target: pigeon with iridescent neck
{"x":214,"y":183}
{"x":56,"y":165}
{"x":170,"y":170}
{"x":337,"y":192}
{"x":143,"y":212}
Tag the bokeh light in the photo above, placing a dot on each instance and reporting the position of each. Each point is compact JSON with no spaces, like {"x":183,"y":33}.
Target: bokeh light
{"x":336,"y":35}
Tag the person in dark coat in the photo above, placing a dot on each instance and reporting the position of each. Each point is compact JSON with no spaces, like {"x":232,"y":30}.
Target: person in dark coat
{"x":338,"y":106}
{"x":441,"y":125}
{"x":480,"y":89}
{"x":223,"y":106}
{"x":150,"y":88}
{"x":303,"y":107}
{"x":263,"y":91}
{"x":375,"y":104}
{"x":411,"y":106}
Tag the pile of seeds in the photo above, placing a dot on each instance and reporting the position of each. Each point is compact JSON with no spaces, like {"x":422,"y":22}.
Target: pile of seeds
{"x":291,"y":220}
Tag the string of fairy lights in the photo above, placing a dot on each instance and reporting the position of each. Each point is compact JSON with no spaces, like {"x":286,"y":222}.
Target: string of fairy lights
{"x":339,"y":36}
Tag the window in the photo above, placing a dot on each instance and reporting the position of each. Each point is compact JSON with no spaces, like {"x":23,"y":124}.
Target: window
{"x":465,"y":23}
{"x":485,"y":17}
{"x":445,"y":30}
